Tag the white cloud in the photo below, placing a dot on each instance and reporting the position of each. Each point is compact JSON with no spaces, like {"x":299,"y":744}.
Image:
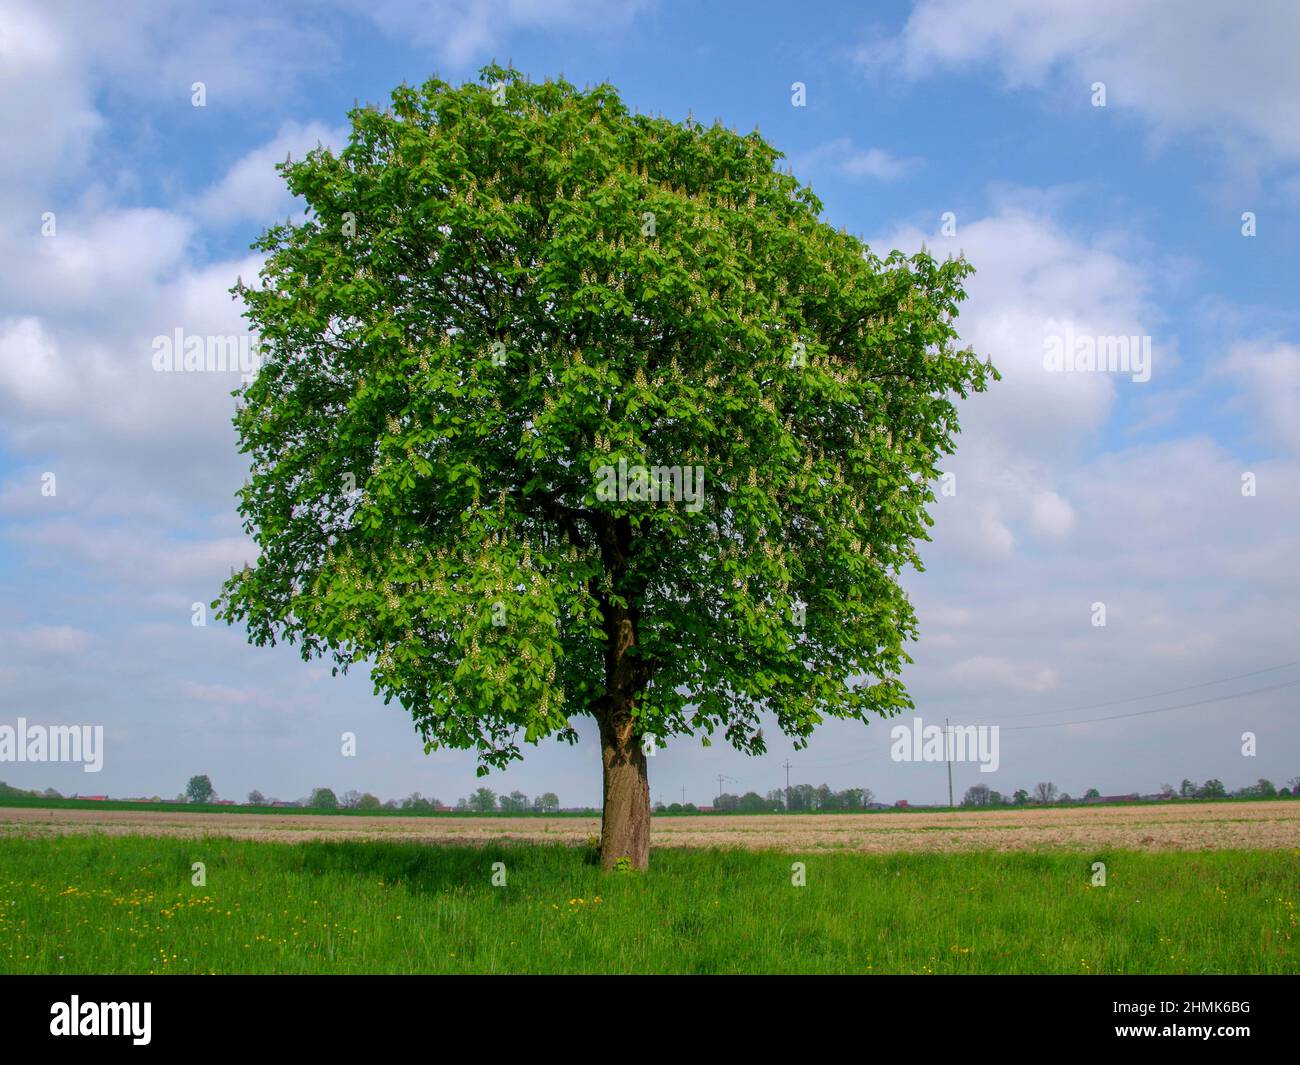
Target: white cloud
{"x":1269,"y":376}
{"x":169,"y":558}
{"x":1227,"y":70}
{"x":1051,"y":514}
{"x":1032,"y":274}
{"x":840,"y":157}
{"x":58,"y":60}
{"x":46,"y":115}
{"x":253,"y":188}
{"x":31,"y":373}
{"x":218,"y":693}
{"x":464,"y":30}
{"x":53,"y":639}
{"x":983,"y":671}
{"x":97,"y":261}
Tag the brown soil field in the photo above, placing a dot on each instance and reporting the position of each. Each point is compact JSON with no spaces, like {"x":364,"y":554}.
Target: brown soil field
{"x":1177,"y":826}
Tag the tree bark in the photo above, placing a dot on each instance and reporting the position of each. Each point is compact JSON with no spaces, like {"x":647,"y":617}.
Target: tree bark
{"x":625,"y":825}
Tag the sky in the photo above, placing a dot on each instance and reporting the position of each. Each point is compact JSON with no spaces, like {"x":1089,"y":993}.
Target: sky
{"x":1170,"y":213}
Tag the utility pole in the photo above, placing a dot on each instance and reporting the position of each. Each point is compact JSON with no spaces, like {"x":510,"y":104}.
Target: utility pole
{"x":948,"y":751}
{"x":683,"y":794}
{"x":787,"y":785}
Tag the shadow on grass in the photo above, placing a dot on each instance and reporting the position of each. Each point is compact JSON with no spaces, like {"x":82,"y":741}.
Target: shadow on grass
{"x":426,"y":869}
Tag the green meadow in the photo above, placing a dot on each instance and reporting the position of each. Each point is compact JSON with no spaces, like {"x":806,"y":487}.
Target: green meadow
{"x":127,"y":904}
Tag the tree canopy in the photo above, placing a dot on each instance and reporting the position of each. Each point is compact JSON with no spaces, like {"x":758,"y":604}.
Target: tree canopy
{"x":517,"y":327}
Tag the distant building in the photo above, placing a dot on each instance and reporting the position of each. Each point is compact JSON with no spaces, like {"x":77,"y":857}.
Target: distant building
{"x":902,"y":802}
{"x":91,"y":798}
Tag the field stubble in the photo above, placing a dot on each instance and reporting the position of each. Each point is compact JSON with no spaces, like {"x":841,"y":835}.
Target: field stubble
{"x":1175,"y":826}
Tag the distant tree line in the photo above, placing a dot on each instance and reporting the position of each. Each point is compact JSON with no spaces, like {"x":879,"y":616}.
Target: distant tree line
{"x":797,"y":798}
{"x":484,"y":800}
{"x":1046,"y":793}
{"x":8,"y":791}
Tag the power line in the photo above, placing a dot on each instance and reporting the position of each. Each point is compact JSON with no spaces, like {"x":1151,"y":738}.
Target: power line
{"x":1155,"y":695}
{"x":1111,"y":717}
{"x":1159,"y":709}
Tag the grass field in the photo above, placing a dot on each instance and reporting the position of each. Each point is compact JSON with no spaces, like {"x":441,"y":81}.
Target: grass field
{"x":125,"y":904}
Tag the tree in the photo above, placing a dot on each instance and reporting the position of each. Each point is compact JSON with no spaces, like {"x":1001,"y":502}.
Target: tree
{"x":548,"y":802}
{"x":514,"y":803}
{"x":417,"y":802}
{"x":977,"y":795}
{"x":1020,"y":797}
{"x":483,"y":801}
{"x":199,"y":789}
{"x":1211,"y":789}
{"x":803,"y":797}
{"x":368,"y":802}
{"x":349,"y":799}
{"x":323,"y":799}
{"x":1045,"y":792}
{"x":1187,"y":789}
{"x":256,"y":798}
{"x":516,"y":331}
{"x":1092,"y":793}
{"x":854,"y":798}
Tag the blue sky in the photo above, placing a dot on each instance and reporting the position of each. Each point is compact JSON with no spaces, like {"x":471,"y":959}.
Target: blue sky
{"x":1071,"y":488}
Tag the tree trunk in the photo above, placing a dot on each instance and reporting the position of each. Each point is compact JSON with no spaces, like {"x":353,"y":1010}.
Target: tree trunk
{"x":625,"y":825}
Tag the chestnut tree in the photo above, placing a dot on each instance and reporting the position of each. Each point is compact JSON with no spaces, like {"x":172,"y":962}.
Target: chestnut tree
{"x":572,"y":411}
